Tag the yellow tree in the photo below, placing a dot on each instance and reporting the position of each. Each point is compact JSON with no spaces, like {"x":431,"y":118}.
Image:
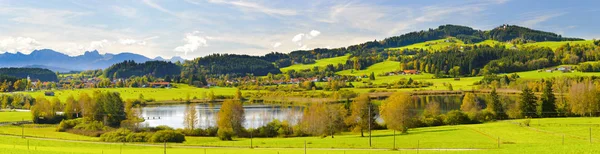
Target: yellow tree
{"x":398,"y":112}
{"x":230,"y":119}
{"x":190,"y":117}
{"x":359,"y":117}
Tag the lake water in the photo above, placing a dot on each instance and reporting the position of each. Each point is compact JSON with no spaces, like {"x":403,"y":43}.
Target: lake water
{"x":256,"y":115}
{"x":259,"y":115}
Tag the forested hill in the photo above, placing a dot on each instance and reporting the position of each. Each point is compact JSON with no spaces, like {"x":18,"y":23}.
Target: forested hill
{"x":466,"y":34}
{"x":33,"y":73}
{"x":130,"y":68}
{"x":218,"y":64}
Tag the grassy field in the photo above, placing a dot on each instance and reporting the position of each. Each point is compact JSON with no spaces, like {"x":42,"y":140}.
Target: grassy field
{"x":554,"y":135}
{"x":14,"y":116}
{"x":430,"y":45}
{"x":555,"y":44}
{"x":379,"y":68}
{"x":320,"y":63}
{"x":159,"y":94}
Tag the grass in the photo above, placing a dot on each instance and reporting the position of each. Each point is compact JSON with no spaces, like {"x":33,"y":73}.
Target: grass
{"x":14,"y":116}
{"x":543,"y":136}
{"x":434,"y":45}
{"x":555,"y":44}
{"x":320,"y":63}
{"x":159,"y":94}
{"x":378,"y":68}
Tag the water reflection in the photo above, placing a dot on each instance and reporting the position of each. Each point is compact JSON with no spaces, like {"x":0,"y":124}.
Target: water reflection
{"x":256,"y":115}
{"x":260,"y":115}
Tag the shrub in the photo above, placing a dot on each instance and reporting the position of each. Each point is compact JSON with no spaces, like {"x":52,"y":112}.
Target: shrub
{"x":167,"y":136}
{"x":456,"y":117}
{"x":120,"y":135}
{"x":139,"y":137}
{"x":68,"y":124}
{"x":432,"y":121}
{"x":91,"y":126}
{"x":163,"y":127}
{"x":526,"y":122}
{"x":225,"y":134}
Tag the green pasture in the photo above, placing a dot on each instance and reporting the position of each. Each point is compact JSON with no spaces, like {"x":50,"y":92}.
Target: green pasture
{"x":549,"y":135}
{"x":319,"y":63}
{"x":159,"y":94}
{"x":6,"y":116}
{"x":430,"y":45}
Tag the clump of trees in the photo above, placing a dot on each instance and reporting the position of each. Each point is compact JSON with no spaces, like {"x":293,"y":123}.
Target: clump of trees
{"x":230,"y":119}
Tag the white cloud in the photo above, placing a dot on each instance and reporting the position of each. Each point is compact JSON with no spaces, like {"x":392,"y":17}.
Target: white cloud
{"x":297,"y":38}
{"x":193,"y":41}
{"x":254,"y":7}
{"x":98,"y":45}
{"x":276,"y":44}
{"x":18,"y":44}
{"x":314,"y":33}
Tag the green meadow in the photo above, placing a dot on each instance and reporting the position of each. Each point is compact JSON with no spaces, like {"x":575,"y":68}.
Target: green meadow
{"x":549,"y":135}
{"x":180,"y":91}
{"x":319,"y":63}
{"x":430,"y":45}
{"x":6,"y":116}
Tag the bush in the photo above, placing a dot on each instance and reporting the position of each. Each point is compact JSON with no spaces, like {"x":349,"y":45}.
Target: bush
{"x":167,"y":136}
{"x":225,"y":134}
{"x":139,"y":137}
{"x":163,"y":127}
{"x":456,"y":117}
{"x":431,"y":121}
{"x":526,"y":122}
{"x":120,"y":135}
{"x":68,"y":124}
{"x":91,"y":126}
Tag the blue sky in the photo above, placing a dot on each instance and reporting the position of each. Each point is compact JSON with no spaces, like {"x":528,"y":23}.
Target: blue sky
{"x":193,"y":28}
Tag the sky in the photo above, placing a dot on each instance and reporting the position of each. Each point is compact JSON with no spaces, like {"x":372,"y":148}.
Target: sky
{"x":194,"y":28}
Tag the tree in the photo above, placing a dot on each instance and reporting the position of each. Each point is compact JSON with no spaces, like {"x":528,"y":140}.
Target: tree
{"x":372,"y":76}
{"x":398,"y":112}
{"x":110,"y":108}
{"x":548,"y":103}
{"x":230,"y":119}
{"x":87,"y":106}
{"x":359,"y":116}
{"x":495,"y":106}
{"x":470,"y":104}
{"x":190,"y":117}
{"x":69,"y":107}
{"x":323,"y":119}
{"x":335,"y":115}
{"x":17,"y":101}
{"x":455,"y":71}
{"x":583,"y":99}
{"x":211,"y":96}
{"x":527,"y":103}
{"x":238,"y":95}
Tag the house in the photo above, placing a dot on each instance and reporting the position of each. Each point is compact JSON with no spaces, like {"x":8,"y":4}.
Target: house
{"x":160,"y":84}
{"x":49,"y":93}
{"x":564,"y":69}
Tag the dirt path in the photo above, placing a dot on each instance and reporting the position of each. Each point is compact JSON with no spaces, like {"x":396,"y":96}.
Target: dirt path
{"x":214,"y":147}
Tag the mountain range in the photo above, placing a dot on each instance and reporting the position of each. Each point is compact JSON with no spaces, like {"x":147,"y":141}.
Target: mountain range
{"x":56,"y":61}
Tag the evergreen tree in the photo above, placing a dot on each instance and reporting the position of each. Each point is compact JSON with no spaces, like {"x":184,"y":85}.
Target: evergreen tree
{"x":527,"y":103}
{"x":548,"y":103}
{"x":495,"y":107}
{"x":372,"y":76}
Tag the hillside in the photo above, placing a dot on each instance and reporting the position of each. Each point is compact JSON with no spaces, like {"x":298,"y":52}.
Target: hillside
{"x":321,"y":63}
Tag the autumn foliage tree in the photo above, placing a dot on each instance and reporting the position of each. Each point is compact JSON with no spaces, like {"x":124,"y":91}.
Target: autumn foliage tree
{"x":360,"y":118}
{"x":398,"y":112}
{"x":230,"y":119}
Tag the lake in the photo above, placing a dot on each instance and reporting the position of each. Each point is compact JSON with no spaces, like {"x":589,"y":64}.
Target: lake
{"x":256,"y":114}
{"x":259,"y":114}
